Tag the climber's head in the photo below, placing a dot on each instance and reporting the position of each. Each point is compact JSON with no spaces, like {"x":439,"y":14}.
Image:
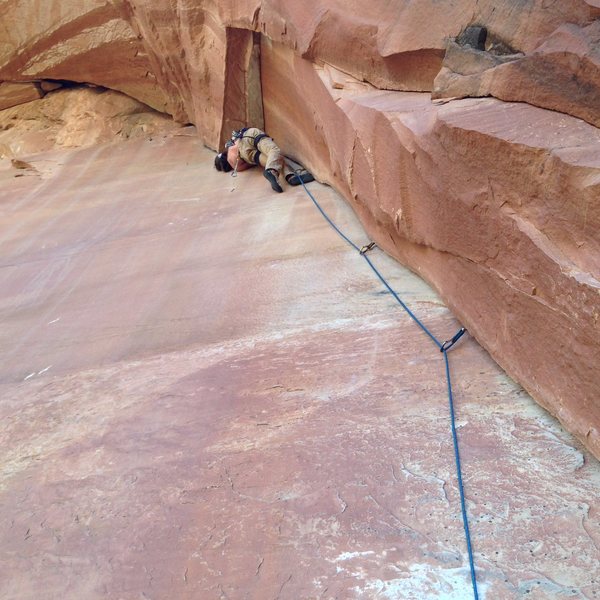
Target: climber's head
{"x":221,"y":163}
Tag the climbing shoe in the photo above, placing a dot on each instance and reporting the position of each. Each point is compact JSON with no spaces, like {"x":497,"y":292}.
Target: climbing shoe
{"x":294,"y":179}
{"x":271,"y":176}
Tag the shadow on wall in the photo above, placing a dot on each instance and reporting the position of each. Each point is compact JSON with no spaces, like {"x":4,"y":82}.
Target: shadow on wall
{"x":243,"y":104}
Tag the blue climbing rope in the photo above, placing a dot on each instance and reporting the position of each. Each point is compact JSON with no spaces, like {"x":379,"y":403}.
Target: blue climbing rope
{"x":399,"y":300}
{"x":326,"y":217}
{"x":461,"y":489}
{"x":443,"y":348}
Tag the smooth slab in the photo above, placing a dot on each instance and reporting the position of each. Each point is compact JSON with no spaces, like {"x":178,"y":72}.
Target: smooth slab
{"x":206,"y":393}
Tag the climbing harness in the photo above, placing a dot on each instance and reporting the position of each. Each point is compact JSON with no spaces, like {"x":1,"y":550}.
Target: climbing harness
{"x":443,"y":348}
{"x":238,"y":134}
{"x":258,"y":138}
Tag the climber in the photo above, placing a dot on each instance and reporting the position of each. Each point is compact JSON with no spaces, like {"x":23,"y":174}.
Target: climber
{"x":251,"y":146}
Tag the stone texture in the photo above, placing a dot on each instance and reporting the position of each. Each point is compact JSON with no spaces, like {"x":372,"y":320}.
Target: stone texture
{"x":494,"y":203}
{"x":562,"y":74}
{"x":49,"y":86}
{"x":13,"y":94}
{"x":86,"y":41}
{"x":515,"y":257}
{"x":179,"y":68}
{"x":397,"y":45}
{"x":206,"y":393}
{"x":76,"y":117}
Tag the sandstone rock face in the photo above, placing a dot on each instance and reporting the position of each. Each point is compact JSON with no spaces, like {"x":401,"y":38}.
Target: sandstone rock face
{"x":515,"y":256}
{"x":494,"y":202}
{"x":86,"y":41}
{"x":204,"y":394}
{"x":13,"y":94}
{"x":562,"y":74}
{"x":76,"y":118}
{"x":397,"y":46}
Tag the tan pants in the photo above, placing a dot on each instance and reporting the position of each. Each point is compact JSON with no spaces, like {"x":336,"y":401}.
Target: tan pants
{"x":270,"y":156}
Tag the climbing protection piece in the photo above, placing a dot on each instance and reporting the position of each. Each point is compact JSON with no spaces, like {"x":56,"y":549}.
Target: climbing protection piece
{"x":449,"y":343}
{"x":368,"y":247}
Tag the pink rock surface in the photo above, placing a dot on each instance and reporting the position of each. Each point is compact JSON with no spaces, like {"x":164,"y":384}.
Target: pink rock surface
{"x":76,"y":117}
{"x":171,"y":57}
{"x":13,"y":94}
{"x":205,"y":393}
{"x":86,"y":41}
{"x":397,"y":46}
{"x":515,"y":257}
{"x":494,"y":203}
{"x":562,"y":74}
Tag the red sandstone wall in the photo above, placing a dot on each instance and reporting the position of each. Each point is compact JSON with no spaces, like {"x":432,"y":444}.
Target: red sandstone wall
{"x":87,"y":41}
{"x":475,"y":197}
{"x":496,"y":203}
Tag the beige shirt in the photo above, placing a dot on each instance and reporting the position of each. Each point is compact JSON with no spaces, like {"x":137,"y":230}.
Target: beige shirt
{"x":233,"y":157}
